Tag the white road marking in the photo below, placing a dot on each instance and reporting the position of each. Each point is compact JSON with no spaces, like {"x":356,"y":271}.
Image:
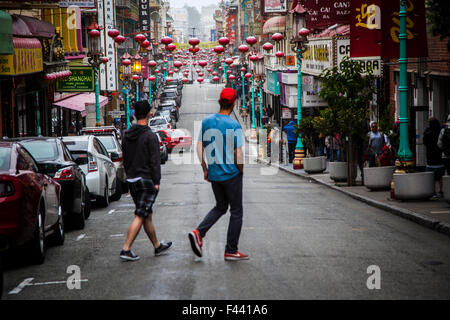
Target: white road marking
{"x":116,"y":235}
{"x":111,"y":211}
{"x":27,"y":283}
{"x":21,"y":286}
{"x":81,"y":236}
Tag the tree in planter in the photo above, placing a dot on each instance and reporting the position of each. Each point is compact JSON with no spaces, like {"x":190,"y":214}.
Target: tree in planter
{"x":348,"y":92}
{"x":307,"y":130}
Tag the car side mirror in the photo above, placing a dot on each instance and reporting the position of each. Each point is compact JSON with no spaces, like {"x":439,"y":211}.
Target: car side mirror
{"x":114,"y":156}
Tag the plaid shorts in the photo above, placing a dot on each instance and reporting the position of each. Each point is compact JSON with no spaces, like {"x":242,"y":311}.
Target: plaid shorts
{"x":144,"y":195}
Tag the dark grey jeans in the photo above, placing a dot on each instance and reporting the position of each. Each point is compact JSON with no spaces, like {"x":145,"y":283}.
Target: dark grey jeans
{"x":227,"y":193}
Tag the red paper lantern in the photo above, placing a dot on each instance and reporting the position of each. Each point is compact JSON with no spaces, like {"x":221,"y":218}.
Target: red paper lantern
{"x":202,"y":64}
{"x":279,"y":54}
{"x":152,"y":63}
{"x":94,"y":33}
{"x":200,"y":80}
{"x":216,"y":79}
{"x":248,"y":75}
{"x":243,"y":48}
{"x":267,"y":46}
{"x":119,"y":39}
{"x":303,"y":32}
{"x":224,"y":41}
{"x":177,"y":64}
{"x":166,"y":40}
{"x":145,"y":44}
{"x":251,"y":40}
{"x":113,"y":33}
{"x":201,"y":74}
{"x":135,"y":77}
{"x":229,"y":61}
{"x":254,"y":58}
{"x":169,"y":79}
{"x":152,"y":78}
{"x":214,"y":73}
{"x":231,"y":77}
{"x":171,"y":47}
{"x":194,"y":41}
{"x":156,"y":71}
{"x":184,"y":80}
{"x":139,"y":38}
{"x":228,"y":71}
{"x":277,"y":37}
{"x":126,"y":62}
{"x":243,"y":69}
{"x":219,"y":49}
{"x":170,"y":72}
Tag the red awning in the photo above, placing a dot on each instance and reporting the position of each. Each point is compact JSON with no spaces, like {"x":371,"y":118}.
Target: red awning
{"x":80,"y":102}
{"x":274,"y":25}
{"x":28,"y":26}
{"x":341,"y":31}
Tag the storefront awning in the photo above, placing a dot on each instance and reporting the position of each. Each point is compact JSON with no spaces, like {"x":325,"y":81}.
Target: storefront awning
{"x":24,"y":26}
{"x":274,"y":25}
{"x":80,"y":102}
{"x":6,"y":45}
{"x":27,"y":58}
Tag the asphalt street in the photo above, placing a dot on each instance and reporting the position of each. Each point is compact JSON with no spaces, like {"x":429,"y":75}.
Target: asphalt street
{"x":305,"y":241}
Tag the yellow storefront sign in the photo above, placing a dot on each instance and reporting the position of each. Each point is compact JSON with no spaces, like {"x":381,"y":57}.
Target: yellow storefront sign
{"x":23,"y":61}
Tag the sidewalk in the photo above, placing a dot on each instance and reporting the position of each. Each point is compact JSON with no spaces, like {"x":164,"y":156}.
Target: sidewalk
{"x":433,"y":214}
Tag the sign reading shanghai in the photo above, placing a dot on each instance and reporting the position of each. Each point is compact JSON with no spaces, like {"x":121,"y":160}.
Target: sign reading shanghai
{"x":275,"y":6}
{"x":81,"y":80}
{"x":324,"y":13}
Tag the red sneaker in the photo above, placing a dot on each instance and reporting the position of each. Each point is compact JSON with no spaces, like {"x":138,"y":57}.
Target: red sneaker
{"x":236,"y":256}
{"x":196,"y":242}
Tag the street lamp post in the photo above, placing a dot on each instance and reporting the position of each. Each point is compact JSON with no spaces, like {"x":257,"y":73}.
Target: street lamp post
{"x":126,"y":72}
{"x":94,"y":60}
{"x":299,"y":49}
{"x":405,"y":155}
{"x":137,"y":68}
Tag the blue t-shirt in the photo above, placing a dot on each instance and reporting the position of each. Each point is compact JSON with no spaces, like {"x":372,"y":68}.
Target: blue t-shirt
{"x":220,"y":135}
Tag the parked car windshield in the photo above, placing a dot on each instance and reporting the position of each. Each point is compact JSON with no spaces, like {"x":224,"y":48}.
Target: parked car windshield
{"x":169,"y":94}
{"x":5,"y":158}
{"x":41,"y":150}
{"x":77,"y":145}
{"x":108,"y":142}
{"x":156,"y":122}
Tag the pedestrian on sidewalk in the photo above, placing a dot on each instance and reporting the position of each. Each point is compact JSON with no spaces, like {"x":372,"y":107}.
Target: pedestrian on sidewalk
{"x":141,"y":161}
{"x":223,"y":166}
{"x":444,"y":144}
{"x":292,"y":139}
{"x":434,"y":154}
{"x":375,"y":145}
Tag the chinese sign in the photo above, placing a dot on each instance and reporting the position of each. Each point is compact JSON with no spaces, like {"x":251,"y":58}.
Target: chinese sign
{"x":317,"y":56}
{"x":144,"y":19}
{"x":231,"y":32}
{"x":81,"y":80}
{"x":273,"y":86}
{"x":415,"y":27}
{"x":27,"y":58}
{"x":324,"y":13}
{"x":375,"y":28}
{"x":107,"y":18}
{"x":343,"y":50}
{"x":272,"y":6}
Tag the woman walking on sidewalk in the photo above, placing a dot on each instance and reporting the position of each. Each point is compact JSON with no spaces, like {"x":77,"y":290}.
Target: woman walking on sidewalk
{"x":223,"y":167}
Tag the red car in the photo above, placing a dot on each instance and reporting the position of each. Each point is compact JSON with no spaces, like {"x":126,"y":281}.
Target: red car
{"x":29,"y":203}
{"x":176,"y":138}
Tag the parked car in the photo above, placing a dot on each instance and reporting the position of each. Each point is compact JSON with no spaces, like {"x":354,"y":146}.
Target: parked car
{"x":177,"y":138}
{"x":159,"y":123}
{"x":170,"y":95}
{"x":109,"y":138}
{"x":174,"y":87}
{"x":172,"y":106}
{"x":55,"y":160}
{"x":29,"y":203}
{"x":166,"y":114}
{"x":93,"y":158}
{"x":163,"y":150}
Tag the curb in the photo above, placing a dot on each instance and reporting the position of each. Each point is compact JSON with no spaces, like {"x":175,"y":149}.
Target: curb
{"x":425,"y":221}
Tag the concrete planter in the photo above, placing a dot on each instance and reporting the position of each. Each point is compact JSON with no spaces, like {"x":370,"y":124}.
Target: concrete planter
{"x":446,"y":187}
{"x":414,"y":186}
{"x":338,"y":171}
{"x":378,"y":178}
{"x":315,"y":164}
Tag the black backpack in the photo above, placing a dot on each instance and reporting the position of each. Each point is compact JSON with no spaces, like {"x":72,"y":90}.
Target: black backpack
{"x":446,"y":142}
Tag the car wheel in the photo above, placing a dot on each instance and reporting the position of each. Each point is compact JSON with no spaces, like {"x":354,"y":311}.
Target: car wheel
{"x":87,"y":204}
{"x":59,"y":236}
{"x":104,"y":201}
{"x":37,"y":244}
{"x":118,"y":194}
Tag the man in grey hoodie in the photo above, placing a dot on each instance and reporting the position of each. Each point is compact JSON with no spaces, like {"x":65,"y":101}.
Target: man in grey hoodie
{"x":141,"y":160}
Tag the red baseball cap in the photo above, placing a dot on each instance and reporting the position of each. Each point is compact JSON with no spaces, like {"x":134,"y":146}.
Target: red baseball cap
{"x":228,"y":95}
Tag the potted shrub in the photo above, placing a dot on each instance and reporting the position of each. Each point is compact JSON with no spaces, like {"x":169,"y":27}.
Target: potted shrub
{"x":348,"y":91}
{"x":308,"y":128}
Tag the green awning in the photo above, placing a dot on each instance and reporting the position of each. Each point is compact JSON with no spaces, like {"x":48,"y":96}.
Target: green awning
{"x":6,"y":40}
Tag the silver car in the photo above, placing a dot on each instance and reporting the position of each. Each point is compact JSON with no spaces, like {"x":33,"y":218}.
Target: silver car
{"x":159,"y":123}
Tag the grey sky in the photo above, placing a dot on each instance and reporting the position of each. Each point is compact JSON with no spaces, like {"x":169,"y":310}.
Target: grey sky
{"x":196,"y":3}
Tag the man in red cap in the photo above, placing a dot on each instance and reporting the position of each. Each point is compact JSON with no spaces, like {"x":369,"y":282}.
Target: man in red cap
{"x":219,"y":149}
